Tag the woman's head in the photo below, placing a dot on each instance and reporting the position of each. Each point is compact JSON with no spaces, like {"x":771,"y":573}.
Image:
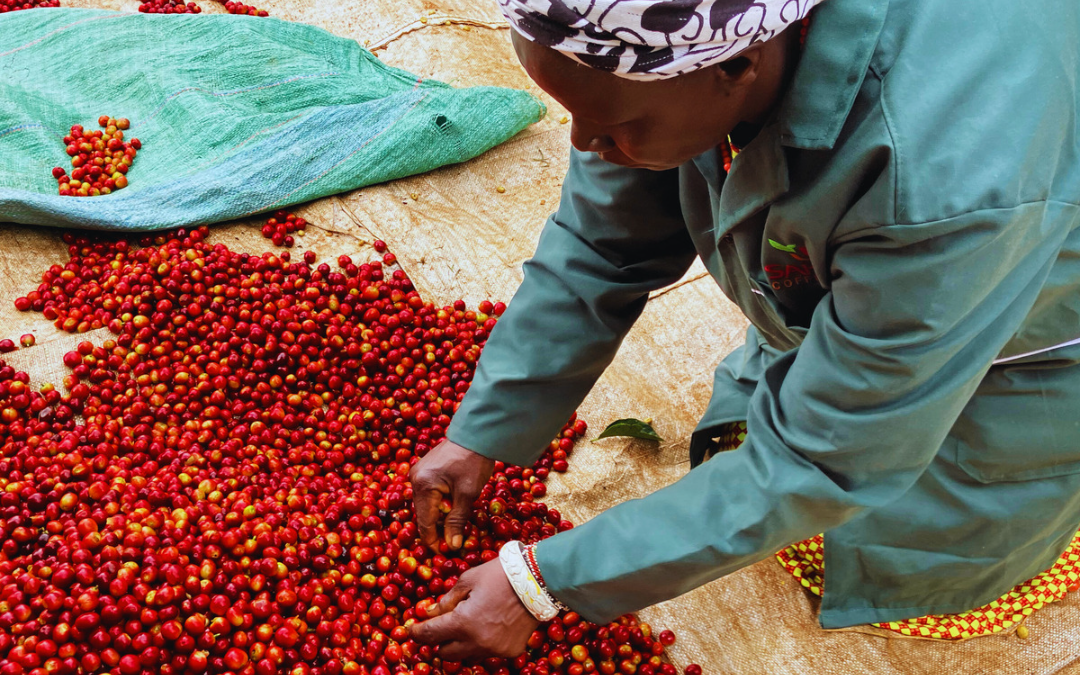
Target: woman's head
{"x":653,"y":83}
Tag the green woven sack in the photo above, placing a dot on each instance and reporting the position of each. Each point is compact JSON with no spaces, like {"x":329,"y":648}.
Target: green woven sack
{"x":236,"y":114}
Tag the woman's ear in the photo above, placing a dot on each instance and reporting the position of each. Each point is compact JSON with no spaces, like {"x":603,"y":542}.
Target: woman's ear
{"x":742,"y":70}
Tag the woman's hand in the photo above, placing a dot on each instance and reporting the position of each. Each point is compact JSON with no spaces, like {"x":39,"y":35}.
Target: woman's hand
{"x":448,"y":470}
{"x":480,"y":617}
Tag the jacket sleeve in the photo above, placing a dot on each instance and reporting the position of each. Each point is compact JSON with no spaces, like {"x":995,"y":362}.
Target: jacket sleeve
{"x":617,"y":235}
{"x":847,"y":421}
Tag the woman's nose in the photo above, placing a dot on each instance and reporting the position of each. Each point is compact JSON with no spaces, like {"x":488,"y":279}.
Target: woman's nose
{"x":587,"y":140}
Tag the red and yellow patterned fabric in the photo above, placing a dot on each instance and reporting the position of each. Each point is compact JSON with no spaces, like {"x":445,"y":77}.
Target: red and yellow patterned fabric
{"x":805,"y":561}
{"x":731,"y":436}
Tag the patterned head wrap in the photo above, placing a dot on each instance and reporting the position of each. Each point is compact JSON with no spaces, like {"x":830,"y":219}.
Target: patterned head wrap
{"x":652,"y":39}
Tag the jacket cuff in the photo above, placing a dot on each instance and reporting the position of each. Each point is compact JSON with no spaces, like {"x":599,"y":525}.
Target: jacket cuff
{"x":489,"y":443}
{"x":550,"y":556}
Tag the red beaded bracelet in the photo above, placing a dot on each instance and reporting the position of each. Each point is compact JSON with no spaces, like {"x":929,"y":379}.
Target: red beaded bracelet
{"x":534,"y":569}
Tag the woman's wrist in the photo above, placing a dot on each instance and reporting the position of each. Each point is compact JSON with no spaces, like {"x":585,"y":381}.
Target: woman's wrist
{"x":519,"y":563}
{"x":529,"y":553}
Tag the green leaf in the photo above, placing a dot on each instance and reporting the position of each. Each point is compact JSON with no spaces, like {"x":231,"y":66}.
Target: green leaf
{"x":631,"y":428}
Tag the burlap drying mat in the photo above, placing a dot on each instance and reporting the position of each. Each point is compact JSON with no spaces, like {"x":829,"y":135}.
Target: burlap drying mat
{"x":457,"y":236}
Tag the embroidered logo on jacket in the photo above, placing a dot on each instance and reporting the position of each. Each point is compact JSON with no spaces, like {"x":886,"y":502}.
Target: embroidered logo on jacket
{"x":797,"y":252}
{"x":795,"y":273}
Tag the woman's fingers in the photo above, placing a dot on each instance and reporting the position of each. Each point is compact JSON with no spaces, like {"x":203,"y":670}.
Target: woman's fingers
{"x":448,"y":602}
{"x":443,"y":628}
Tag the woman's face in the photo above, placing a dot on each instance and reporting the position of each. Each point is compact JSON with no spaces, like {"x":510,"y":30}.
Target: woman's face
{"x":650,"y":125}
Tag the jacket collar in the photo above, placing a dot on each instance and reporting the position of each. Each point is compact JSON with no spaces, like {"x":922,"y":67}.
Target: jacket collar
{"x":758,"y":176}
{"x":839,"y":45}
{"x":842,"y":38}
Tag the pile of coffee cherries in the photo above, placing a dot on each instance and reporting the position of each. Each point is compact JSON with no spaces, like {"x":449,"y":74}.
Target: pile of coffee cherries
{"x":223,"y":486}
{"x":178,"y":7}
{"x":101,"y":159}
{"x":241,"y":8}
{"x":15,"y":5}
{"x":169,"y":7}
{"x":281,"y":227}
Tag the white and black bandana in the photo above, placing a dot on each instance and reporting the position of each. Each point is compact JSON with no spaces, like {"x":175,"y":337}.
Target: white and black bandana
{"x":652,"y":39}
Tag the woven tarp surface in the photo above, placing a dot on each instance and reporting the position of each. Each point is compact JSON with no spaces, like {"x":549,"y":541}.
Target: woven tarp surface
{"x":237,"y":116}
{"x":458,"y":237}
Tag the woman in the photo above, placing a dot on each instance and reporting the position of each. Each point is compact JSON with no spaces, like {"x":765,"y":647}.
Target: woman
{"x":901,"y":228}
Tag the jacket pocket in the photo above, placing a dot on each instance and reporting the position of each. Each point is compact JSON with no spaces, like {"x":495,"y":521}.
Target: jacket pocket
{"x":1022,"y":424}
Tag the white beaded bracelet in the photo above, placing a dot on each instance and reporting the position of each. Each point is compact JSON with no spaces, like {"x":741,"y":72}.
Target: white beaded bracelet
{"x":528,"y":589}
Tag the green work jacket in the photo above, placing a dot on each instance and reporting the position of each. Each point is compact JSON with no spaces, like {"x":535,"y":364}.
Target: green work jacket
{"x":903,"y":236}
